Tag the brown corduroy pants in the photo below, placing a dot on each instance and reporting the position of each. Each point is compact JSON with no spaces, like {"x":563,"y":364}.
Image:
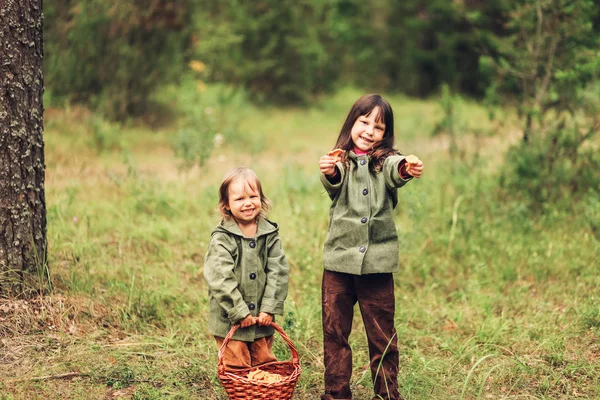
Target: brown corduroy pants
{"x":239,"y":354}
{"x":375,"y":296}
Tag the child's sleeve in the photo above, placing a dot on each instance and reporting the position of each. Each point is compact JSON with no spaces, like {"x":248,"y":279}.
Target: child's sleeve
{"x":223,"y":285}
{"x":391,"y":171}
{"x":277,"y":271}
{"x":333,"y":188}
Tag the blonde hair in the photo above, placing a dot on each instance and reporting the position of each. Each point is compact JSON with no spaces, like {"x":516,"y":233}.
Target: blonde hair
{"x":251,"y":180}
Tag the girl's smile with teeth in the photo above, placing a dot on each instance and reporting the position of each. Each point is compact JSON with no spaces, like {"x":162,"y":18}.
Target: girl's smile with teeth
{"x":368,"y":130}
{"x":244,"y":202}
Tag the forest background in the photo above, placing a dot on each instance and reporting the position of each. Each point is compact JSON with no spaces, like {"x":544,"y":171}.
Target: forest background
{"x":149,"y":103}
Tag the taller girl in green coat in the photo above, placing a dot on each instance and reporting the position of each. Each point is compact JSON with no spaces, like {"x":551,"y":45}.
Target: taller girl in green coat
{"x":246,"y":271}
{"x":361,"y":246}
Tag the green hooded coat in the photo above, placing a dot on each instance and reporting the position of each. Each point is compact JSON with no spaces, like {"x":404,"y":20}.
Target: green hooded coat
{"x":362,"y":237}
{"x":245,"y":275}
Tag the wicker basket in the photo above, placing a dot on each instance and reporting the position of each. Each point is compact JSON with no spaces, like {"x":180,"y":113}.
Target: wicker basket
{"x":239,"y":387}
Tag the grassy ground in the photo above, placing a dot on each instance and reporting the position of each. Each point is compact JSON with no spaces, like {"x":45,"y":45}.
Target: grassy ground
{"x":493,"y":300}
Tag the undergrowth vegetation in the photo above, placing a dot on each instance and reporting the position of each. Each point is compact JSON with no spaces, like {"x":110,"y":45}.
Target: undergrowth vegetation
{"x":497,"y":296}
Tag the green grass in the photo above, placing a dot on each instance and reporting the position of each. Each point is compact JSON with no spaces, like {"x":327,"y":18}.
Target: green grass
{"x":493,"y":300}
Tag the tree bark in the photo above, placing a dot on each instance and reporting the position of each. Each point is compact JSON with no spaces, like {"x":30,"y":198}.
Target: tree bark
{"x":23,"y":243}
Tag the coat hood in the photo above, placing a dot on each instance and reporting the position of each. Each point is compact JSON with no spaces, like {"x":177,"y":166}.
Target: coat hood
{"x":230,"y":226}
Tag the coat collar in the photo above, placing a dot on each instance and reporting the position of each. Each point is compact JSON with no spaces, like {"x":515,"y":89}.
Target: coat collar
{"x":352,"y":155}
{"x":264,"y":227}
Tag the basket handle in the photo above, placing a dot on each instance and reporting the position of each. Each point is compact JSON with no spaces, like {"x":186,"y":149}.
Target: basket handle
{"x":234,"y":328}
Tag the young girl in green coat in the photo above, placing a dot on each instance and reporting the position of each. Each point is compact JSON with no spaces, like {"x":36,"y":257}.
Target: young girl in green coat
{"x":361,"y":246}
{"x":246,"y":271}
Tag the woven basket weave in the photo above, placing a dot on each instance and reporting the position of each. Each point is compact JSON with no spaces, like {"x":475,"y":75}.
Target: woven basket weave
{"x":239,"y":387}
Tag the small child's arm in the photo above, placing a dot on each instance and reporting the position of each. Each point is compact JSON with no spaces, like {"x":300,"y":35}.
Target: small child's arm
{"x":327,"y":166}
{"x":264,"y":318}
{"x":223,"y":285}
{"x":248,"y":321}
{"x":412,"y":166}
{"x":331,"y":174}
{"x":277,"y":271}
{"x":396,"y":172}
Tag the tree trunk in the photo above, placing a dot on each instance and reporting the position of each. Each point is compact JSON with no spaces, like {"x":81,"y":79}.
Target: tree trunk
{"x":23,"y":243}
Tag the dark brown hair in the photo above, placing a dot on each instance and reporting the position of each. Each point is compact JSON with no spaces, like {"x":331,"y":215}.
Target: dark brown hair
{"x":364,"y":106}
{"x":251,"y":180}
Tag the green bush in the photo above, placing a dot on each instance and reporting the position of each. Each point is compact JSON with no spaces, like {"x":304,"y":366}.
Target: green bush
{"x":279,"y":51}
{"x":431,"y":43}
{"x":552,"y":167}
{"x":112,"y":55}
{"x":591,"y":211}
{"x":209,"y":117}
{"x":105,"y":135}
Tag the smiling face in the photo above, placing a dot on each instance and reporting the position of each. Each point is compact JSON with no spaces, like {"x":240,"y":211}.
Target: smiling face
{"x":244,"y":201}
{"x":368,"y":130}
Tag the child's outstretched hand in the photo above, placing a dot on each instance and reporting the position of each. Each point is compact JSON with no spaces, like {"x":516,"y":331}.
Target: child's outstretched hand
{"x":327,"y":165}
{"x":248,"y":321}
{"x":264,"y":318}
{"x":413,"y":166}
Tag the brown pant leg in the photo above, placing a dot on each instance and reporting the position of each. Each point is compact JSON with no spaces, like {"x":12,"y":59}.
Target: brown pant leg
{"x":261,"y":351}
{"x":376,"y":300}
{"x":237,"y":354}
{"x":338,"y":299}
